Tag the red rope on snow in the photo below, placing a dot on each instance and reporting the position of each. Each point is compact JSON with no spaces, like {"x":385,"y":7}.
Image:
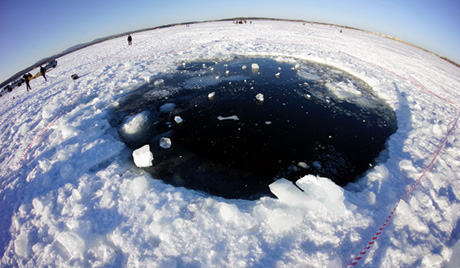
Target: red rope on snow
{"x":406,"y":79}
{"x":38,"y":136}
{"x":377,"y":235}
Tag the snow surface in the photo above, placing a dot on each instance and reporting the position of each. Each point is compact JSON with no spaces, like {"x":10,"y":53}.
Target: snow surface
{"x":71,"y":196}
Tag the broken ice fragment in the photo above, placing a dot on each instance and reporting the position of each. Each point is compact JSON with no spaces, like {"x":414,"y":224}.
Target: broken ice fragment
{"x":165,"y":143}
{"x":255,"y":67}
{"x":135,"y":124}
{"x":178,"y":119}
{"x":277,"y":75}
{"x":303,"y":165}
{"x":260,"y":97}
{"x":143,"y":157}
{"x":233,"y":117}
{"x":211,"y":95}
{"x":244,"y":67}
{"x":227,"y":72}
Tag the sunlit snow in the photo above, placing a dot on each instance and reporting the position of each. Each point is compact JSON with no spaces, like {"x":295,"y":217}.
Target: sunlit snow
{"x":71,"y":195}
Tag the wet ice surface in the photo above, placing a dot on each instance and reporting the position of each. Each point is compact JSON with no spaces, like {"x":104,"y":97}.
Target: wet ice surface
{"x":233,"y":130}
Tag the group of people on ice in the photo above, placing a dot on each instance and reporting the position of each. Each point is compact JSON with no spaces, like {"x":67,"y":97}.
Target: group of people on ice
{"x":27,"y":77}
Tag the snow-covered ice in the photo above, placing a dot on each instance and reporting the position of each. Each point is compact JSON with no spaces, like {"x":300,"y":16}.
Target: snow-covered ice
{"x":70,"y":195}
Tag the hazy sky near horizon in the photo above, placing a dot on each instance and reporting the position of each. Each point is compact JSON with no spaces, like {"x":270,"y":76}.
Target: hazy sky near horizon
{"x":33,"y":30}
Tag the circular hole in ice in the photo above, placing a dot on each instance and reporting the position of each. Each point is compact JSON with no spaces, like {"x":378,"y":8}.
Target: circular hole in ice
{"x":232,"y":130}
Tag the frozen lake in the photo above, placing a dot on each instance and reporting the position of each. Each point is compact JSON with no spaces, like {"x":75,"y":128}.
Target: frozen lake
{"x":71,"y":195}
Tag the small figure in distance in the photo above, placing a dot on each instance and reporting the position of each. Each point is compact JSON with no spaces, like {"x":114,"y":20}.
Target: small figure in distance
{"x":130,"y":40}
{"x":26,"y":79}
{"x":43,"y":72}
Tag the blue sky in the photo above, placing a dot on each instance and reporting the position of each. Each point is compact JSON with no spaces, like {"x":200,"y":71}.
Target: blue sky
{"x":33,"y":30}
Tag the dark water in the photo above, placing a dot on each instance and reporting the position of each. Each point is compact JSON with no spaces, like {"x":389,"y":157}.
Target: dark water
{"x":232,"y":145}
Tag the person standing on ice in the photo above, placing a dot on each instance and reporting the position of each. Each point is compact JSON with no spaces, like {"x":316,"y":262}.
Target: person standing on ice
{"x":43,"y":72}
{"x":130,"y":40}
{"x":26,"y":79}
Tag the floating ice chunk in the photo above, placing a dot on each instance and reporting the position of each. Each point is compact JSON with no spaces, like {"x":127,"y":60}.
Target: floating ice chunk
{"x":211,"y":95}
{"x":268,"y":122}
{"x":255,"y":67}
{"x":244,"y":67}
{"x":277,"y":75}
{"x":343,"y":90}
{"x":303,"y":165}
{"x":227,"y":72}
{"x":167,"y":107}
{"x":159,"y":82}
{"x":260,"y":97}
{"x":308,"y":76}
{"x":204,"y":81}
{"x":233,"y":117}
{"x":72,"y":242}
{"x":143,"y":157}
{"x":165,"y":143}
{"x":178,"y":119}
{"x":135,"y":124}
{"x":317,"y":164}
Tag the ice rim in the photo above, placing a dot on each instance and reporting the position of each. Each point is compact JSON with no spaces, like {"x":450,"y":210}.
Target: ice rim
{"x":59,"y":191}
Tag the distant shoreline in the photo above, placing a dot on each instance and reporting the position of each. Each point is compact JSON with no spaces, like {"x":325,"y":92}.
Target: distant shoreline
{"x":100,"y":40}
